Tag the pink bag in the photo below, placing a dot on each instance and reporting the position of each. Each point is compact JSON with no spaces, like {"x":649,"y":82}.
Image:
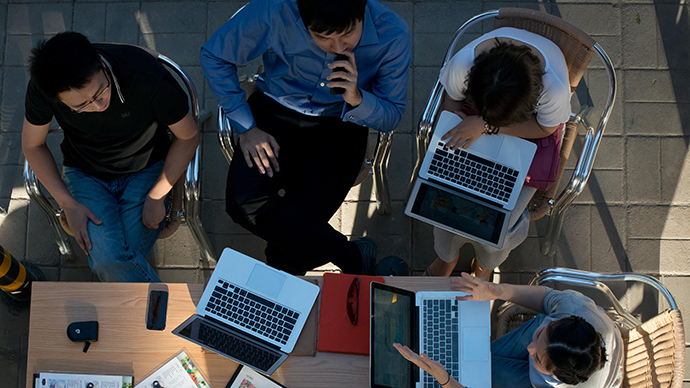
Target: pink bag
{"x":544,"y":168}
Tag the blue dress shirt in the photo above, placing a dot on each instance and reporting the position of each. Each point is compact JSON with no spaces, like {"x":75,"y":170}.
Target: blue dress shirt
{"x":296,"y":68}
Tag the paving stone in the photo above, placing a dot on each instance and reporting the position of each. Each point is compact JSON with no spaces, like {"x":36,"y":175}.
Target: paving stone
{"x":181,"y":48}
{"x":675,"y":171}
{"x":52,"y":274}
{"x":13,"y":227}
{"x":89,"y":19}
{"x":168,"y":17}
{"x":674,"y":257}
{"x":672,"y":35}
{"x":430,"y":48}
{"x":41,"y":247}
{"x":575,"y":241}
{"x":655,"y":221}
{"x":527,"y":257}
{"x":614,"y":49}
{"x":11,"y":144}
{"x":77,"y":275}
{"x":610,"y":154}
{"x":215,"y":219}
{"x":424,"y":81}
{"x":598,"y":85}
{"x":408,"y":123}
{"x":678,"y":286}
{"x":157,"y":255}
{"x":248,"y":244}
{"x":361,"y":219}
{"x":657,"y":85}
{"x":181,"y":250}
{"x":393,"y":246}
{"x":443,"y":17}
{"x":644,"y":255}
{"x":609,"y":238}
{"x":12,"y":109}
{"x":3,"y":20}
{"x":422,"y":242}
{"x":401,"y":165}
{"x":169,"y":275}
{"x":643,"y":173}
{"x":38,"y":18}
{"x":219,"y":13}
{"x":603,"y":186}
{"x":10,"y":360}
{"x":639,"y":36}
{"x":657,"y":118}
{"x":594,"y":19}
{"x":121,"y":23}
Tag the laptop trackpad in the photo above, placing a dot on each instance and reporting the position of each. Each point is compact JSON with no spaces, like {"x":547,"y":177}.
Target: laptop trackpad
{"x":488,"y":145}
{"x":266,"y":280}
{"x":475,"y":345}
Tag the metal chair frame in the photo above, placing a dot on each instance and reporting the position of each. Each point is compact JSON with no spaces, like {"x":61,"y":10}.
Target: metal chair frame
{"x":190,"y":214}
{"x":378,"y":163}
{"x":585,"y":161}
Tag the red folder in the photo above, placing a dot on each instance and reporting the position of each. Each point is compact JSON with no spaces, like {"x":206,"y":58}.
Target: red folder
{"x":336,"y":332}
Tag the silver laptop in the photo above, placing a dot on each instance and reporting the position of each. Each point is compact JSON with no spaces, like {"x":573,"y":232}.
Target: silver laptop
{"x":471,"y":192}
{"x":456,"y":334}
{"x":250,"y":312}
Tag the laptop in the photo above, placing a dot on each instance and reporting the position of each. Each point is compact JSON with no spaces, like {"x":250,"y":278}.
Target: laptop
{"x":454,"y":333}
{"x":471,"y":192}
{"x":250,"y":313}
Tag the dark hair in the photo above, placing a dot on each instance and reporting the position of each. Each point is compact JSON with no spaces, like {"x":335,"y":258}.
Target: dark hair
{"x":66,"y":61}
{"x":504,"y":84}
{"x":331,"y":16}
{"x":575,"y":350}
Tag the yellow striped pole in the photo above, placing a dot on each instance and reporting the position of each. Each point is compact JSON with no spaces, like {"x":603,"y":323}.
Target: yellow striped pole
{"x":15,"y":280}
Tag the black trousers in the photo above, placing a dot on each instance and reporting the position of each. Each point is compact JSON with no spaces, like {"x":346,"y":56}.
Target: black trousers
{"x":319,"y":159}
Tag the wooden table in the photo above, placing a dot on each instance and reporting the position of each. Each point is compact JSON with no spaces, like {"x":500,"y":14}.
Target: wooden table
{"x":126,"y":347}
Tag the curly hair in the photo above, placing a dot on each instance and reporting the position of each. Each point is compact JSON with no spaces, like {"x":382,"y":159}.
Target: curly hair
{"x":504,"y":84}
{"x":575,"y":349}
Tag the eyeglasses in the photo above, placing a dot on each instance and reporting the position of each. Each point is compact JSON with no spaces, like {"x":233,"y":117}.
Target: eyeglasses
{"x":353,"y":299}
{"x":96,"y":97}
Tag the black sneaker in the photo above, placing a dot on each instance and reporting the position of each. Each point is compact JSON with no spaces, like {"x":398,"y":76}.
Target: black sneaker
{"x":367,"y":250}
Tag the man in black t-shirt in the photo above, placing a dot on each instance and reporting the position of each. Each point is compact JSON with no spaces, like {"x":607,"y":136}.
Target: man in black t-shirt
{"x":115,"y":104}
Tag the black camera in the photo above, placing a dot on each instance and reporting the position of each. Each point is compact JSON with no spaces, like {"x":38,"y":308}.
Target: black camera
{"x":339,"y":57}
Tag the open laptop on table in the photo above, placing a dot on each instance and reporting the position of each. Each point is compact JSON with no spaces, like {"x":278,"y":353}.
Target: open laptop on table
{"x":454,"y":333}
{"x":471,"y":192}
{"x":250,"y":312}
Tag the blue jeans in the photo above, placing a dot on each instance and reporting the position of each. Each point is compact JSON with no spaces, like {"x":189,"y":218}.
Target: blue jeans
{"x":509,"y":356}
{"x":122,"y":242}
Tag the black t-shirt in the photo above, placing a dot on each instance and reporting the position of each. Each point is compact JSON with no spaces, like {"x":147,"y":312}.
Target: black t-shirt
{"x":127,"y":137}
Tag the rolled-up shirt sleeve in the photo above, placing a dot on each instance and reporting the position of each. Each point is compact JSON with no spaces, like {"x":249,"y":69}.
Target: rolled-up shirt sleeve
{"x":244,"y":37}
{"x":383,"y":106}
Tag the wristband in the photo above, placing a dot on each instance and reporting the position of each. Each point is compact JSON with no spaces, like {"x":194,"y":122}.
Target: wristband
{"x":447,"y":381}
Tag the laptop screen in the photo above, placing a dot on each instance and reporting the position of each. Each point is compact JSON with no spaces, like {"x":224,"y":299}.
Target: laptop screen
{"x":459,"y":212}
{"x":391,"y":322}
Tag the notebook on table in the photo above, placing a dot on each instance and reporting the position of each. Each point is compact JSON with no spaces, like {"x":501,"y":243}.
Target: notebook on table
{"x":250,"y":312}
{"x":471,"y":192}
{"x":454,"y":333}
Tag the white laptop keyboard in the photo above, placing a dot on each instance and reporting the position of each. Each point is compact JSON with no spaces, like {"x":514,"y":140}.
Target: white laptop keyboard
{"x":473,"y":172}
{"x":251,"y":311}
{"x":440,"y":337}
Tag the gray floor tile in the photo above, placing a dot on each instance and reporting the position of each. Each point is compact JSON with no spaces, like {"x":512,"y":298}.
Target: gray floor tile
{"x":174,"y":17}
{"x":89,"y":19}
{"x":41,"y":19}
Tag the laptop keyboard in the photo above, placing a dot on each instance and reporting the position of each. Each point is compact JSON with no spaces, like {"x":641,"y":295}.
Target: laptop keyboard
{"x":440,"y":328}
{"x":244,"y":308}
{"x":243,"y":351}
{"x":471,"y":171}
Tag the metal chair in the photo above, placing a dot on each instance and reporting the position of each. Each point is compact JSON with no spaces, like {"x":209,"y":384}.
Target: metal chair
{"x":654,"y":351}
{"x":378,"y":163}
{"x":578,"y":49}
{"x":188,"y":184}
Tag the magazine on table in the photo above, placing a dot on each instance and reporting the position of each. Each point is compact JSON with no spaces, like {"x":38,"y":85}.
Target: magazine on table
{"x":179,"y":371}
{"x":74,"y":380}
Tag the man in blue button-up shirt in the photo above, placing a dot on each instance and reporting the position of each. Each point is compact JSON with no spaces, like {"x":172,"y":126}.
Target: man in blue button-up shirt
{"x":294,"y":133}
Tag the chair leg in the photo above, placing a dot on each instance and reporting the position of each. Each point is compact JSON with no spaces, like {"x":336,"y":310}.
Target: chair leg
{"x":553,"y":230}
{"x":49,"y":211}
{"x":380,"y":167}
{"x":192,"y":195}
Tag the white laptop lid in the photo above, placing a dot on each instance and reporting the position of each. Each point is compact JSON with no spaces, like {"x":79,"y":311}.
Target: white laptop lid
{"x":509,"y":151}
{"x":474,"y":337}
{"x":267,"y":282}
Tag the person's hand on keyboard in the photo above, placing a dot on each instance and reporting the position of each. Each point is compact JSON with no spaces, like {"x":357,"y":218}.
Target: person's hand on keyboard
{"x":477,"y":288}
{"x":465,"y":133}
{"x":431,"y":367}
